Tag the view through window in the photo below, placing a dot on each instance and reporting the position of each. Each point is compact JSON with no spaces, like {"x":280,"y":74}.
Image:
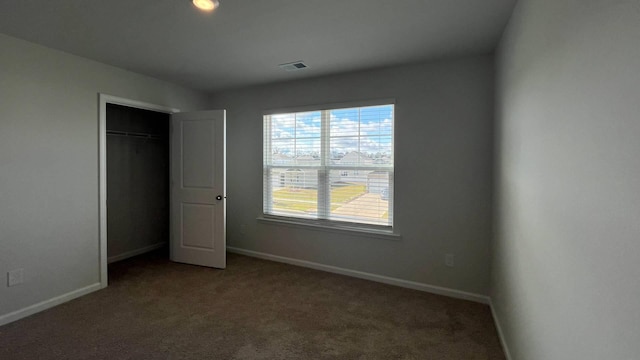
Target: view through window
{"x":334,"y":164}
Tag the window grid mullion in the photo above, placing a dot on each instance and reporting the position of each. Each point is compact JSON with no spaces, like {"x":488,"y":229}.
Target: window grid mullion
{"x":268,"y":193}
{"x":359,"y":132}
{"x":295,"y":136}
{"x":324,"y":192}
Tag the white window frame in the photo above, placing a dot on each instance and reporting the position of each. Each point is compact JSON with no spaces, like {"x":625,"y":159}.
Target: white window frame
{"x":322,"y":222}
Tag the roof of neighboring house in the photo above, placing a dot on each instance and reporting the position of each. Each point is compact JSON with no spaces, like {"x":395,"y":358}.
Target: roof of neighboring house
{"x":355,"y":157}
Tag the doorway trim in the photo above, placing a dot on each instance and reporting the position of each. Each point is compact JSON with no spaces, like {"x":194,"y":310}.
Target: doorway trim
{"x":103,"y":100}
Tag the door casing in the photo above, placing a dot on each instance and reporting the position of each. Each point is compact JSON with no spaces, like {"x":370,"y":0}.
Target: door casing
{"x":103,"y":100}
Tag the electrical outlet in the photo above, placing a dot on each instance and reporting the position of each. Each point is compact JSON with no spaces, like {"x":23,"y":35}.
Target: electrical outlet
{"x":15,"y":277}
{"x":448,"y":260}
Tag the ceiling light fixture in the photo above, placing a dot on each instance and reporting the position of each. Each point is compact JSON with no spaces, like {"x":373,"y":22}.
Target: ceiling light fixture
{"x":206,"y":5}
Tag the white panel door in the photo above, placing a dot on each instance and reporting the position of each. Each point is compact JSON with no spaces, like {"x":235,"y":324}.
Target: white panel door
{"x":198,"y":188}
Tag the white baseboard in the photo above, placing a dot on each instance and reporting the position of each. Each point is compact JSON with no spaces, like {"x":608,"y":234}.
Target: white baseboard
{"x":135,"y":252}
{"x":503,"y":341}
{"x":367,"y":276}
{"x":47,"y":304}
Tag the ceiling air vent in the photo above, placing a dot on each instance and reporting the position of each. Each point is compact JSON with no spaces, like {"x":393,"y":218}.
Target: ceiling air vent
{"x":293,"y":66}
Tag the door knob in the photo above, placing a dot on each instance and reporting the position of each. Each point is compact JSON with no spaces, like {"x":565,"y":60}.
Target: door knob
{"x":219,"y":197}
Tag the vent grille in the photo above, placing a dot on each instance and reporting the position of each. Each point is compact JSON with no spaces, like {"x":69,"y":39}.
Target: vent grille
{"x":293,"y":66}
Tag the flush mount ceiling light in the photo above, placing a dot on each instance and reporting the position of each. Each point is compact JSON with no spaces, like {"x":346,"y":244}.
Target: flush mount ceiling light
{"x":206,"y":5}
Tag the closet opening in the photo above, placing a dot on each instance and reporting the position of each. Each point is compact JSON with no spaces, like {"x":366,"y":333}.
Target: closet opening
{"x":137,"y":186}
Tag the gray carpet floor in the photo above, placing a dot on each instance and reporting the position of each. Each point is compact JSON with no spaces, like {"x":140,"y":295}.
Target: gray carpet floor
{"x":255,"y":309}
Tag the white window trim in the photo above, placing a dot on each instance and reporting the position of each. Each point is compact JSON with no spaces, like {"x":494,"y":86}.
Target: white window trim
{"x":353,"y":228}
{"x":332,"y":106}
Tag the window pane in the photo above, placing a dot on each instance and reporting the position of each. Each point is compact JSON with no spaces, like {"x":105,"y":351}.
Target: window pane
{"x":360,"y":196}
{"x":283,"y":126}
{"x":282,"y":152}
{"x":362,"y":136}
{"x":308,"y":125}
{"x":345,"y":122}
{"x":376,"y":120}
{"x":378,"y":149}
{"x":344,"y":151}
{"x":308,"y":151}
{"x":294,"y":192}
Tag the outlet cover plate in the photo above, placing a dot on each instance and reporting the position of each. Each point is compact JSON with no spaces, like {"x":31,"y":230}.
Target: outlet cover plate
{"x":15,"y":277}
{"x":448,"y":260}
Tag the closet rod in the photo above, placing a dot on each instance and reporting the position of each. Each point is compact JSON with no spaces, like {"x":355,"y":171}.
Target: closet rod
{"x":133,"y":134}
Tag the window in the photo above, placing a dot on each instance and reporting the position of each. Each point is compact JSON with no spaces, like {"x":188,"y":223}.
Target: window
{"x":331,"y":164}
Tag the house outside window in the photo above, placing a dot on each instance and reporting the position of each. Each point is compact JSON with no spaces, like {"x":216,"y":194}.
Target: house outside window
{"x":334,"y":164}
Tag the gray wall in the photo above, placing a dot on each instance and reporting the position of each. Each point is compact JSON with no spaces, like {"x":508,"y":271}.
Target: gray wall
{"x":566,"y":276}
{"x":444,"y":116}
{"x":49,"y":164}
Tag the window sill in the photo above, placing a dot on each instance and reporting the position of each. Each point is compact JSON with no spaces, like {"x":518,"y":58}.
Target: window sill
{"x":347,"y":229}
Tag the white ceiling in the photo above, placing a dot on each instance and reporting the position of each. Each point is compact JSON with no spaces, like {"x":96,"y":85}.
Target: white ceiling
{"x":243,"y":41}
